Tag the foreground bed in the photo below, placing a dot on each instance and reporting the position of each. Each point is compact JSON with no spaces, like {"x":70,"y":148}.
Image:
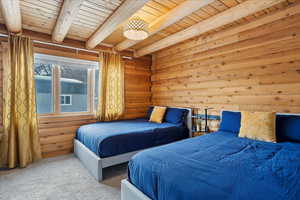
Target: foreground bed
{"x":104,"y":144}
{"x":215,"y":166}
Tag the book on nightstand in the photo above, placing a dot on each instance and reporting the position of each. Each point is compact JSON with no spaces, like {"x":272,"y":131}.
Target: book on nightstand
{"x":199,"y":133}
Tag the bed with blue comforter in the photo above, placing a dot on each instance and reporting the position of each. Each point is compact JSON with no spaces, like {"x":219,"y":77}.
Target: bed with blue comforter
{"x":107,"y":139}
{"x":221,"y":165}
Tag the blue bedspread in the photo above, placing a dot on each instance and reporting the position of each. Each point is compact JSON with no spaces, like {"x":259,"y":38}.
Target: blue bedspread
{"x":218,"y":166}
{"x":113,"y":138}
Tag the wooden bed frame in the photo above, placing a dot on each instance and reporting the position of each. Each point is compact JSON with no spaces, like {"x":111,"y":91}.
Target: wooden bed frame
{"x":95,"y":164}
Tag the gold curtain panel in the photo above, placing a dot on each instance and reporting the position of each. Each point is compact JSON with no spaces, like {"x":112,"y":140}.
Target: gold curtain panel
{"x":111,"y":87}
{"x":20,"y":142}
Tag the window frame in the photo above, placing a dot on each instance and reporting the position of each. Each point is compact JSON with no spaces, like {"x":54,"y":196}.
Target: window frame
{"x":56,"y":92}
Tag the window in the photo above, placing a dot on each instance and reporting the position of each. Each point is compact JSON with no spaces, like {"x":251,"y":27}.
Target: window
{"x":65,"y":85}
{"x":74,"y":80}
{"x":43,"y":79}
{"x":65,"y":100}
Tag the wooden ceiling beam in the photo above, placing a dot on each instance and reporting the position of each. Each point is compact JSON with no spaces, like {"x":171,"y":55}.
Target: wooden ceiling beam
{"x":43,"y":37}
{"x":125,"y":10}
{"x":232,"y":14}
{"x":184,"y":9}
{"x":11,"y":12}
{"x":64,"y":21}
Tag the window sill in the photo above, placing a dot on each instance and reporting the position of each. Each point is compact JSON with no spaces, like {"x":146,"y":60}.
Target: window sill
{"x":66,"y":114}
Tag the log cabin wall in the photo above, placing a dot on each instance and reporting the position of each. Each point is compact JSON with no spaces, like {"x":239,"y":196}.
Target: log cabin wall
{"x":137,"y":87}
{"x":254,"y":66}
{"x":57,"y":132}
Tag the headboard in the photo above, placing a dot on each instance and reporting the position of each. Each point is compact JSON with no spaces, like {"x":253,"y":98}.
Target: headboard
{"x":188,"y":119}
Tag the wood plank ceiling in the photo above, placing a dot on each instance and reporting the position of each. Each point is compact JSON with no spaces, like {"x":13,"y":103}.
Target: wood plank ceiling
{"x":41,"y":16}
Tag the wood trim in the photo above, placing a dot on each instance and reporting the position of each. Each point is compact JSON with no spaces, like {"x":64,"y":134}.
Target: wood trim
{"x":66,"y":114}
{"x":56,"y":90}
{"x":65,"y":52}
{"x":91,"y":82}
{"x":232,"y":14}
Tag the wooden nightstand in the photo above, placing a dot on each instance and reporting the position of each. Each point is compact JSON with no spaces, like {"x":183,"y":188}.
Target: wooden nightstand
{"x":204,"y":123}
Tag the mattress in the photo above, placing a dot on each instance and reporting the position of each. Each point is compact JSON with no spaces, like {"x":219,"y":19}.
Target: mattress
{"x":107,"y":139}
{"x":218,"y":166}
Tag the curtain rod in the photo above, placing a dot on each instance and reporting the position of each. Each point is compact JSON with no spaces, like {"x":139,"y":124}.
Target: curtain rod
{"x":64,"y":46}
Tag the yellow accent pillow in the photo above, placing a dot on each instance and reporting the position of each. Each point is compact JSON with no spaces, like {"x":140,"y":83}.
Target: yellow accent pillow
{"x":258,"y":126}
{"x":158,"y":114}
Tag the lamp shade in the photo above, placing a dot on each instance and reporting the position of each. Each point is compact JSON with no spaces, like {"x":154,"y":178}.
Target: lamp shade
{"x":136,"y":29}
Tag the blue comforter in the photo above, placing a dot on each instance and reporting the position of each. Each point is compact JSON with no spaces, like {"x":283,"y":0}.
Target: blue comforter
{"x":218,"y":166}
{"x":113,"y":138}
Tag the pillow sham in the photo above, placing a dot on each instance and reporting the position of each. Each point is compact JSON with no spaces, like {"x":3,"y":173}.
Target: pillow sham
{"x":288,"y":128}
{"x":149,"y":112}
{"x":230,"y":122}
{"x":258,"y":126}
{"x":175,"y":115}
{"x":158,"y":114}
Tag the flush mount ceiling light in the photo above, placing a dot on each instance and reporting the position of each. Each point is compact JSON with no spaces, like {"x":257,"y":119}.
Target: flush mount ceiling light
{"x":136,"y":29}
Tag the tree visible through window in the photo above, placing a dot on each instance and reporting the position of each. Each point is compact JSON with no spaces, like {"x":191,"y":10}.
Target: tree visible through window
{"x":43,"y":79}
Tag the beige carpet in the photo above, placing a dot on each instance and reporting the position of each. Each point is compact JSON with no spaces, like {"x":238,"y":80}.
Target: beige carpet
{"x":60,"y":178}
